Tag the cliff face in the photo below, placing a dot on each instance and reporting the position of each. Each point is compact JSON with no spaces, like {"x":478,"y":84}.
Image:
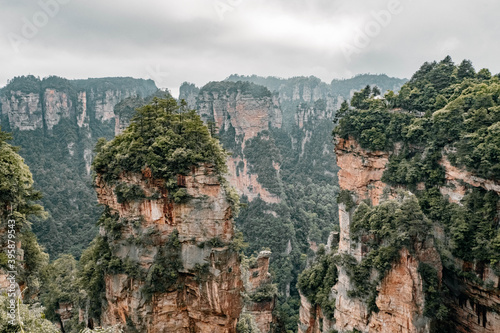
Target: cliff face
{"x":246,"y":113}
{"x":212,"y":305}
{"x":23,"y":110}
{"x":61,"y":120}
{"x":241,"y":116}
{"x":255,"y":278}
{"x":401,"y":299}
{"x":207,"y":295}
{"x":37,"y":107}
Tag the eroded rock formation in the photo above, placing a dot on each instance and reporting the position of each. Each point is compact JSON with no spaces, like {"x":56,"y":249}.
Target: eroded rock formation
{"x":207,"y":294}
{"x":38,"y":107}
{"x":241,"y":116}
{"x":401,"y":298}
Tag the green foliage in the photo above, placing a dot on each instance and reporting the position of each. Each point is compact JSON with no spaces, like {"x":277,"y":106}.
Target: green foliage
{"x":69,"y":197}
{"x":17,"y":202}
{"x":385,"y":230}
{"x":128,"y":192}
{"x":16,"y":184}
{"x":60,"y":285}
{"x":375,"y":127}
{"x":317,"y":281}
{"x":25,"y":84}
{"x":410,"y":168}
{"x":463,"y":113}
{"x":32,"y":318}
{"x":247,"y":324}
{"x":180,"y":195}
{"x":434,"y":307}
{"x":233,"y":198}
{"x":35,"y":259}
{"x":164,"y":137}
{"x":92,"y":268}
{"x":471,"y":226}
{"x":264,"y":293}
{"x":3,"y":260}
{"x":164,"y":271}
{"x":262,"y":153}
{"x":224,"y":87}
{"x":201,"y":272}
{"x":466,"y":70}
{"x":359,"y":99}
{"x":345,"y":197}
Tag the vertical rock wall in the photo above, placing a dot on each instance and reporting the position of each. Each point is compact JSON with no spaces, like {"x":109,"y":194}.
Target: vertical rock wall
{"x":400,"y":299}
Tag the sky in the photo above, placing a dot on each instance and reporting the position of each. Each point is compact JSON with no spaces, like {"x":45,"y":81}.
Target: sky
{"x":207,"y":40}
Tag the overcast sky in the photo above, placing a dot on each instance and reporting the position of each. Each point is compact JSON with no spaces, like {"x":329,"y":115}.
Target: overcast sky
{"x":207,"y":40}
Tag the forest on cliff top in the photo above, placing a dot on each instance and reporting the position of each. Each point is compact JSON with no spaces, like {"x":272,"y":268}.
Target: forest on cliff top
{"x":446,"y":112}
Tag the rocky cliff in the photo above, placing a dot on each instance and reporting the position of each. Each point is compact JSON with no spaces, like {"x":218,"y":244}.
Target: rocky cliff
{"x":261,"y":301}
{"x":28,"y":103}
{"x":278,"y":134}
{"x":239,"y":112}
{"x":57,"y":123}
{"x":206,"y":296}
{"x":167,"y":232}
{"x":401,"y":297}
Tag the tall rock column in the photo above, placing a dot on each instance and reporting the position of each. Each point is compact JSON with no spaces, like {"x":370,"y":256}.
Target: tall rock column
{"x":204,"y":294}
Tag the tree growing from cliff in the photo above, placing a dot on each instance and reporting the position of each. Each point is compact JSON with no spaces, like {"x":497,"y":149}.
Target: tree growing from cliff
{"x":444,"y":114}
{"x":163,"y":137}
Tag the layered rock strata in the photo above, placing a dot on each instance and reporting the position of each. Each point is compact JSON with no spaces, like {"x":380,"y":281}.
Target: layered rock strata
{"x":401,"y":299}
{"x":207,"y":296}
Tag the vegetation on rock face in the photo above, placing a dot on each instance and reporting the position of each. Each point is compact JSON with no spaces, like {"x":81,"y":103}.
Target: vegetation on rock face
{"x":26,"y":84}
{"x":164,"y":140}
{"x":60,"y":288}
{"x":241,"y":87}
{"x":16,"y":184}
{"x":125,"y":192}
{"x":262,"y":153}
{"x":59,"y":157}
{"x":443,"y":112}
{"x":386,"y":229}
{"x":246,"y":324}
{"x":164,"y":272}
{"x":31,"y":318}
{"x":316,"y":282}
{"x":434,"y":307}
{"x":164,"y":137}
{"x":463,"y":130}
{"x":466,"y":123}
{"x":18,"y":202}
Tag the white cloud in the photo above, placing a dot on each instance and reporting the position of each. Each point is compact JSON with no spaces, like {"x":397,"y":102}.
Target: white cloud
{"x":188,"y":41}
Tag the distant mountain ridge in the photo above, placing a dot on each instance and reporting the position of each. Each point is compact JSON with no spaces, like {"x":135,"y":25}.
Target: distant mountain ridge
{"x":339,"y":87}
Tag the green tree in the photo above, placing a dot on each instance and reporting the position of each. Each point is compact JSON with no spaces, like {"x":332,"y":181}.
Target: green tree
{"x":484,"y":74}
{"x":466,"y":70}
{"x":358,"y":100}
